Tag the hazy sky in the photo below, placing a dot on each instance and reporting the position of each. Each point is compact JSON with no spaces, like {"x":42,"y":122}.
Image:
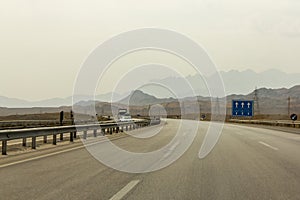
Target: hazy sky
{"x":43,"y":43}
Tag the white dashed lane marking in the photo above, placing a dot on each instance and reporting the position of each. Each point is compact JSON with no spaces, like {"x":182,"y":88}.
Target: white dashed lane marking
{"x":267,"y":145}
{"x":125,"y":190}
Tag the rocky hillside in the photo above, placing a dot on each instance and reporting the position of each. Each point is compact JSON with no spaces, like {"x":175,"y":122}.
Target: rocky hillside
{"x":270,"y":101}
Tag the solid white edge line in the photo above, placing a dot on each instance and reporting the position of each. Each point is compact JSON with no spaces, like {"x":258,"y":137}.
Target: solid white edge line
{"x":38,"y":157}
{"x":267,"y":145}
{"x":56,"y":153}
{"x":48,"y":155}
{"x":125,"y":190}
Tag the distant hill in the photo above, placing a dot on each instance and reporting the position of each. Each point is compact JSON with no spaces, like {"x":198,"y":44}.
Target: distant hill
{"x":293,"y":92}
{"x":54,"y":102}
{"x":273,"y":101}
{"x":270,"y":101}
{"x":13,"y":102}
{"x":235,"y":82}
{"x":139,"y":98}
{"x":243,"y":82}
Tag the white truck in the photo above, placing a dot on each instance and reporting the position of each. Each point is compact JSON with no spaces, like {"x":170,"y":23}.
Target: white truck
{"x":125,"y":118}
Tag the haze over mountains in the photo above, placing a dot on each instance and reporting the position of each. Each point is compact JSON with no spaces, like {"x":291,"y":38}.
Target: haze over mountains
{"x":236,"y":82}
{"x":139,"y":98}
{"x":270,"y":101}
{"x":55,"y":102}
{"x":243,"y":82}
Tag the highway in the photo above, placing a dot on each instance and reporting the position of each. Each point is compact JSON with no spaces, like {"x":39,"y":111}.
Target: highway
{"x":246,"y":163}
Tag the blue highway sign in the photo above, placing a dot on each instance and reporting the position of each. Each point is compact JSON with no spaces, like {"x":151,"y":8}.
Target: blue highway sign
{"x":242,"y":108}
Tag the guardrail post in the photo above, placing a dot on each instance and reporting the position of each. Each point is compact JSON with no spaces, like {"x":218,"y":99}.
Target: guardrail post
{"x":4,"y":147}
{"x":54,"y":139}
{"x":71,"y":136}
{"x":84,"y":134}
{"x":33,"y":142}
{"x":24,"y":142}
{"x":109,"y":128}
{"x":45,"y":139}
{"x":61,"y":137}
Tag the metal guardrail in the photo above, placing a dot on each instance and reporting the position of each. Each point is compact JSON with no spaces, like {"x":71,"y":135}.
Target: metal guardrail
{"x":13,"y":134}
{"x":21,"y":124}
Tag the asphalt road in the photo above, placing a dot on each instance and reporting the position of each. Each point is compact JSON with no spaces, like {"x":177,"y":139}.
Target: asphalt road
{"x":246,"y":163}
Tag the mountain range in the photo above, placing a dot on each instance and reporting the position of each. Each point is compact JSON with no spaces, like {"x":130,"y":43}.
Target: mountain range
{"x":235,"y":82}
{"x":54,"y":102}
{"x":267,"y":101}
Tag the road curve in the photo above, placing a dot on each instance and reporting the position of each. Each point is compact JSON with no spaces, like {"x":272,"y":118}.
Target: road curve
{"x":246,"y":163}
